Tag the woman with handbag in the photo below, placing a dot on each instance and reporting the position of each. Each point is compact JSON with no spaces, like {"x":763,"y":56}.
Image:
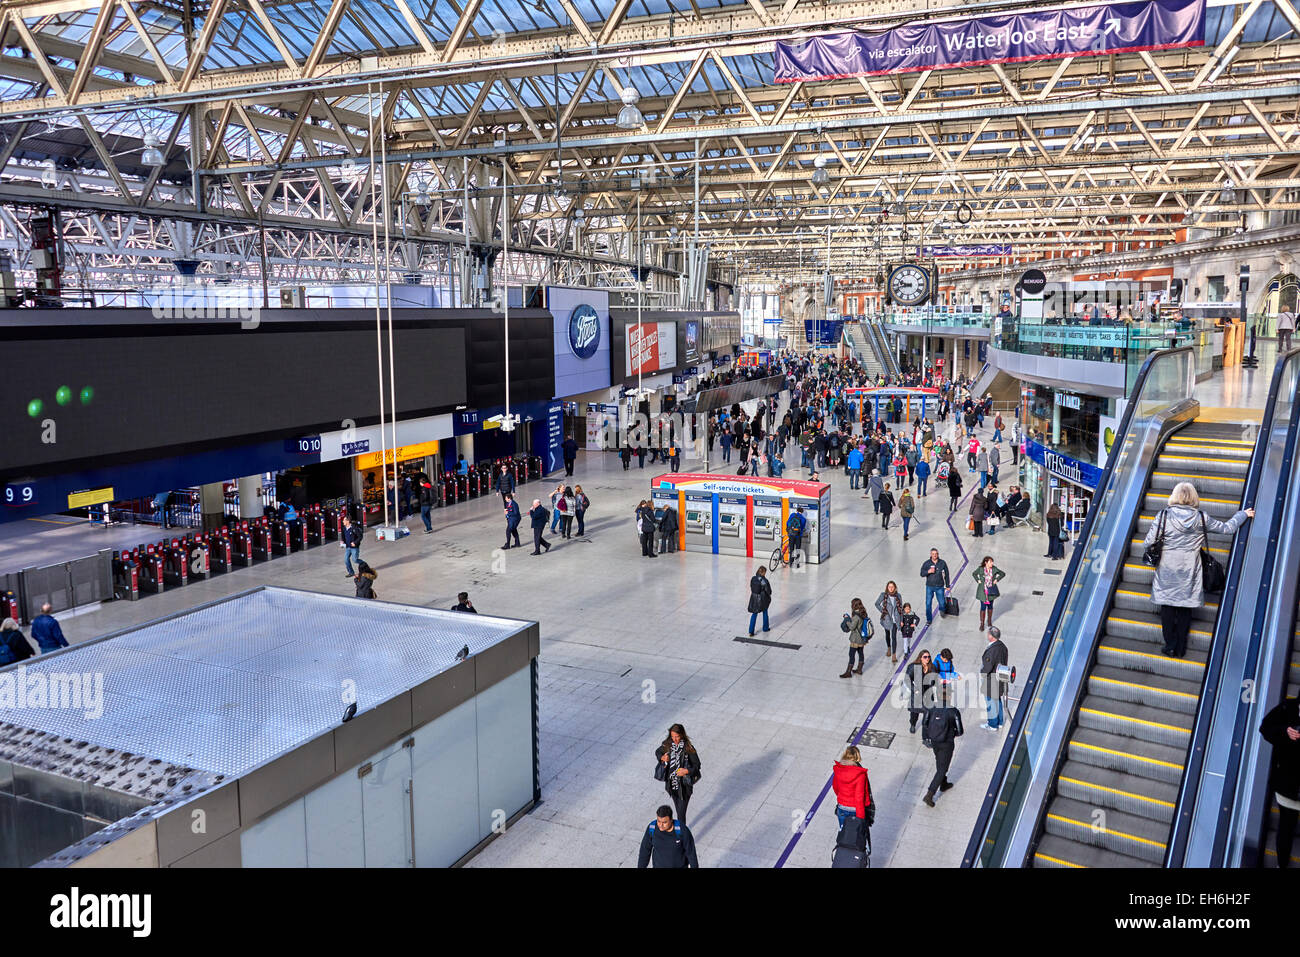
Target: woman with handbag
{"x":760,"y":598}
{"x":1177,"y":544}
{"x":678,"y":768}
{"x":921,"y":679}
{"x":852,"y":788}
{"x":986,"y":578}
{"x":977,"y":510}
{"x":1056,"y":533}
{"x":890,"y":605}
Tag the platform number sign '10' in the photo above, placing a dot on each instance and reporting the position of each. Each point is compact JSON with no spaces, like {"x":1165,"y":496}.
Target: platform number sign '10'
{"x":20,"y":493}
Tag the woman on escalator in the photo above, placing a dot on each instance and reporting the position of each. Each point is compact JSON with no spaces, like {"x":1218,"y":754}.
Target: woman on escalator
{"x":1183,"y":530}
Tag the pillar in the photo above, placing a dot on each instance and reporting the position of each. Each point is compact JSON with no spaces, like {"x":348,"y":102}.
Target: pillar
{"x":1056,"y":420}
{"x":250,"y":496}
{"x":211,"y":505}
{"x":465,"y":447}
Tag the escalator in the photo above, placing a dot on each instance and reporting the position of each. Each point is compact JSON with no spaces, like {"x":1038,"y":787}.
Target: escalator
{"x":880,"y":345}
{"x":859,"y":344}
{"x":1116,"y":792}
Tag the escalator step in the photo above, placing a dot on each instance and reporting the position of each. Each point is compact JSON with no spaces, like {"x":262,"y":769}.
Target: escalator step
{"x":1218,"y":486}
{"x":1129,"y":719}
{"x":1145,"y":658}
{"x":1113,"y":830}
{"x":1220,"y":508}
{"x":1053,"y":851}
{"x":1133,"y":756}
{"x":1102,"y":787}
{"x":1131,"y":598}
{"x":1155,"y":691}
{"x":1145,"y":626}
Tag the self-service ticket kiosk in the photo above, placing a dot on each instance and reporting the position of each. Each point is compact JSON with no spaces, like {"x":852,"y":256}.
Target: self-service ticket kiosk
{"x":744,"y":515}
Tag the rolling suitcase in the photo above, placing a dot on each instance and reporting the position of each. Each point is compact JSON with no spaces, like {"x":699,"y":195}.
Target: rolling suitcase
{"x":852,"y":845}
{"x":950,"y":607}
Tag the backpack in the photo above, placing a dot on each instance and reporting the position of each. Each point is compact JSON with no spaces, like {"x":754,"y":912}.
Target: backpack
{"x":936,"y":726}
{"x":868,"y":629}
{"x":845,"y":625}
{"x":677,"y":828}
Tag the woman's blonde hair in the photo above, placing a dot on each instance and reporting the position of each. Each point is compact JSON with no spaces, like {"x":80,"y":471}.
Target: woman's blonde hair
{"x":9,"y":625}
{"x":851,"y":755}
{"x":1184,"y":493}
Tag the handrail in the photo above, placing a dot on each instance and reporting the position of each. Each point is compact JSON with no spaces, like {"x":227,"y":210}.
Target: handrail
{"x":1189,"y":787}
{"x":997,"y":781}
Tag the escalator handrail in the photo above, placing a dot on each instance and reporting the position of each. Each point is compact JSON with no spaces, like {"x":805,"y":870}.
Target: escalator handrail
{"x":1189,"y":787}
{"x":998,"y":779}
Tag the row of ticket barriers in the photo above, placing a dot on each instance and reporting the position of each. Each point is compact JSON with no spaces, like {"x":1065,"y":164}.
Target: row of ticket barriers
{"x":154,"y":567}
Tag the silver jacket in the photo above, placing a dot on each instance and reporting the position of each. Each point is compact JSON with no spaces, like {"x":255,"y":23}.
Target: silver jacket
{"x":1178,"y":576}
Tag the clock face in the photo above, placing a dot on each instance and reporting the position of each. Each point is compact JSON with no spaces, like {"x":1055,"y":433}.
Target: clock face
{"x":963,"y":213}
{"x":909,"y":285}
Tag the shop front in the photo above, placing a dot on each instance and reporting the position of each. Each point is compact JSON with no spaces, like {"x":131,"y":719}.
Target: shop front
{"x":1049,"y":477}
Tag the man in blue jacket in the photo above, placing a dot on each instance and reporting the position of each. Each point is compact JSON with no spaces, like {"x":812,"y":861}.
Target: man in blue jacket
{"x":351,"y":544}
{"x":794,"y":526}
{"x":855,"y":467}
{"x":539,"y":514}
{"x":46,"y":631}
{"x":667,"y":842}
{"x":512,"y":520}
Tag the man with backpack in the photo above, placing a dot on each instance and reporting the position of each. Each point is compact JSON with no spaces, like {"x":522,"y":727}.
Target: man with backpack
{"x":940,"y":729}
{"x":794,"y":527}
{"x":667,"y":842}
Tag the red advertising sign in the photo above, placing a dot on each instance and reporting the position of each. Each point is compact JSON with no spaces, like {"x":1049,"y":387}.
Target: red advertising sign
{"x":651,"y":346}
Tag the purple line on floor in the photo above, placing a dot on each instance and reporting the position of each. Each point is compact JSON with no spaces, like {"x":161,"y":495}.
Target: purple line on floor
{"x":884,"y":695}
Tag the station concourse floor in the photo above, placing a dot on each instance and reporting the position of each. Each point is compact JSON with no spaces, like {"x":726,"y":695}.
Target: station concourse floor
{"x":631,"y":645}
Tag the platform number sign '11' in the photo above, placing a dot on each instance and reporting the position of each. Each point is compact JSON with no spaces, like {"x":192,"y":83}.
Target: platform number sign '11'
{"x":20,"y":493}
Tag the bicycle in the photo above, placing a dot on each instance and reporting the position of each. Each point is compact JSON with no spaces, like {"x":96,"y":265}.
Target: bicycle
{"x":783,"y":555}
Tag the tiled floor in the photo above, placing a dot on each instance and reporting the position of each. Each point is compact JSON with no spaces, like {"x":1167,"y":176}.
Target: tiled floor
{"x":631,"y":645}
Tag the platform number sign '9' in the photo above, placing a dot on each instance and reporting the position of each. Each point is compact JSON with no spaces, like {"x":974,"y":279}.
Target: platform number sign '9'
{"x":20,"y":493}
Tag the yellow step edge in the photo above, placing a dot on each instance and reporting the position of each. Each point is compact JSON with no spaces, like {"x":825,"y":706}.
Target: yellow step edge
{"x":1124,"y":717}
{"x":1147,"y":624}
{"x":1268,"y":852}
{"x":1088,"y":825}
{"x":1142,"y":594}
{"x":1057,"y":860}
{"x":1220,"y":501}
{"x":1134,"y":684}
{"x":1212,"y":478}
{"x":1144,"y":654}
{"x":1125,"y":754}
{"x":1129,"y":794}
{"x":1142,"y":541}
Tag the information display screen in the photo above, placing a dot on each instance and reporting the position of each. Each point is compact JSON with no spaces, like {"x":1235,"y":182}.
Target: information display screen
{"x":77,"y":399}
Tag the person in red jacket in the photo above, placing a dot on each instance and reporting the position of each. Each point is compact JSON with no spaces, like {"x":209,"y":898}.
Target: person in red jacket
{"x":852,"y":789}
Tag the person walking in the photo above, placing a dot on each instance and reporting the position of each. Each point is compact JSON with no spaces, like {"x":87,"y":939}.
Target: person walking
{"x":668,"y":530}
{"x":859,"y":634}
{"x":625,"y":456}
{"x":852,"y":788}
{"x":567,"y":504}
{"x":890,"y":605}
{"x":640,"y":456}
{"x":922,"y":476}
{"x":505,"y":483}
{"x":1056,"y":533}
{"x":580,"y":505}
{"x":855,"y":467}
{"x":351,"y":542}
{"x":935,"y":572}
{"x":538,"y":515}
{"x":760,"y":599}
{"x":556,"y":511}
{"x":13,"y":643}
{"x":1281,"y":729}
{"x":875,"y":485}
{"x":1285,"y":329}
{"x":463,"y":604}
{"x":570,"y":449}
{"x":940,"y":728}
{"x":725,"y":439}
{"x":668,"y":843}
{"x":906,"y":509}
{"x":995,"y":655}
{"x":982,"y":466}
{"x":645,"y":528}
{"x":954,"y":489}
{"x":1178,"y":585}
{"x":986,"y":578}
{"x":995,"y":460}
{"x":46,"y":631}
{"x":997,"y":427}
{"x":978,"y":507}
{"x":682,"y":766}
{"x":886,"y":506}
{"x":425,"y":498}
{"x":512,"y":520}
{"x":921,"y":682}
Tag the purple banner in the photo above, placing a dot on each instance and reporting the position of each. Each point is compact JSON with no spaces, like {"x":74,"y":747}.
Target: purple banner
{"x":976,"y":249}
{"x":1006,"y":38}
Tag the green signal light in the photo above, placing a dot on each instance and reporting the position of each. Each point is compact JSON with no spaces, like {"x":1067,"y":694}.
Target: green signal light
{"x":34,"y":407}
{"x":63,"y":396}
{"x":86,"y":395}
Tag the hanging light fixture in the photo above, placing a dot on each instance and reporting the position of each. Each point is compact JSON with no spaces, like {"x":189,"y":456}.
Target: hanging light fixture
{"x":152,"y":155}
{"x":819,"y":176}
{"x":1228,"y":194}
{"x":629,"y":117}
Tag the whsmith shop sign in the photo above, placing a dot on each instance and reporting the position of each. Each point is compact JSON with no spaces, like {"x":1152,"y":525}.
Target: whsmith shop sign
{"x":1072,"y":470}
{"x":1052,"y":34}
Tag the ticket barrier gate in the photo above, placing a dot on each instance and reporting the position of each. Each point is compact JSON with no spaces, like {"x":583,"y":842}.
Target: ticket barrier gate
{"x":534,"y":467}
{"x":314,"y":526}
{"x":126,"y":577}
{"x":287,"y":537}
{"x":197,"y":555}
{"x":450,"y":489}
{"x":259,"y":530}
{"x":9,"y":605}
{"x":176,"y":566}
{"x":462,"y":486}
{"x":219,"y":551}
{"x":150,"y":563}
{"x":241,"y":540}
{"x":333,"y":522}
{"x":472,"y":486}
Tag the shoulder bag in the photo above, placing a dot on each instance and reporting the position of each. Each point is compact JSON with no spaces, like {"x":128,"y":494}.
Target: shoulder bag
{"x":1151,"y":554}
{"x":1213,"y":576}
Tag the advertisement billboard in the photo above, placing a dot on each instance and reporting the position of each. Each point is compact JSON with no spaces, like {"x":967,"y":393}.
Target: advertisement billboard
{"x":652,"y":346}
{"x":582,"y":340}
{"x":692,"y":340}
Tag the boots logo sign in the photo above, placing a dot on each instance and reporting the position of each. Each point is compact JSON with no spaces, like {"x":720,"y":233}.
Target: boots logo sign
{"x":584,"y":331}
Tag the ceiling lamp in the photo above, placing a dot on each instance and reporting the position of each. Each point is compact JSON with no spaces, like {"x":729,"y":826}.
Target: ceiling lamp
{"x":819,"y":176}
{"x":422,"y":197}
{"x":629,"y":117}
{"x":49,"y":175}
{"x":1227,"y":194}
{"x":152,"y":155}
{"x":579,"y":215}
